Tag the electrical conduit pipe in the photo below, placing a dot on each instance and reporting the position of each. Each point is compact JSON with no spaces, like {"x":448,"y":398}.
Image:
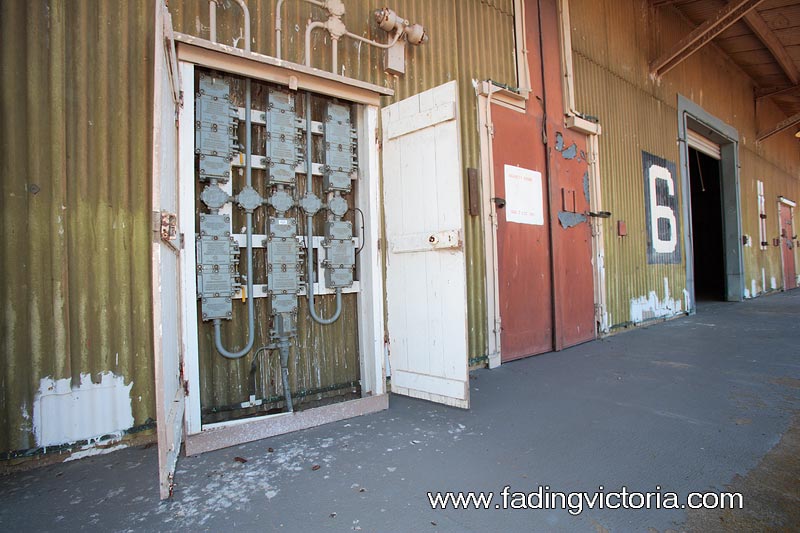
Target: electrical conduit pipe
{"x":310,"y":232}
{"x":251,"y":337}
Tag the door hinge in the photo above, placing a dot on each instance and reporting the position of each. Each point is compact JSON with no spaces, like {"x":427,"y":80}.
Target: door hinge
{"x":165,"y":229}
{"x":183,"y":381}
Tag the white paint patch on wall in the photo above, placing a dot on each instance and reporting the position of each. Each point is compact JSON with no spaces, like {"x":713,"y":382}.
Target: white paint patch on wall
{"x":64,"y":414}
{"x":753,"y":288}
{"x":747,"y":293}
{"x":650,"y":307}
{"x":773,"y":283}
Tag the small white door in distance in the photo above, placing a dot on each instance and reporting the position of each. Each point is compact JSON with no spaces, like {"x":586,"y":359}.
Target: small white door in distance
{"x":426,"y":282}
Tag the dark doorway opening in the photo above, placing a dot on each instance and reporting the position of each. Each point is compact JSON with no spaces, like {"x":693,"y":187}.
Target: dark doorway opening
{"x":707,"y":227}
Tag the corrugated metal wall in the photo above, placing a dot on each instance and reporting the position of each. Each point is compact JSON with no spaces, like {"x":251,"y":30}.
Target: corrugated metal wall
{"x":469,"y":39}
{"x":633,"y":121}
{"x":75,"y":141}
{"x":613,"y":41}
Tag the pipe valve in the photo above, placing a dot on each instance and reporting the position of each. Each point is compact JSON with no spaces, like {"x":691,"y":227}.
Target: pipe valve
{"x":416,"y":34}
{"x":390,"y":21}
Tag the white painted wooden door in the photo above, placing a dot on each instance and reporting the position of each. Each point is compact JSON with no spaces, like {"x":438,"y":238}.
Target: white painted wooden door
{"x":426,"y":283}
{"x":166,"y":252}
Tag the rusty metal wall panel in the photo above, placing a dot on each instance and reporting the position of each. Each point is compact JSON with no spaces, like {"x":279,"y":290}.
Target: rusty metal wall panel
{"x":75,"y":141}
{"x":546,"y":293}
{"x":573,"y":275}
{"x":638,"y":113}
{"x":469,"y":39}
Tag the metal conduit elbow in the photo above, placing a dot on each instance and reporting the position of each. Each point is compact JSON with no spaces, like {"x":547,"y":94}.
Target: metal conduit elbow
{"x":246,"y":14}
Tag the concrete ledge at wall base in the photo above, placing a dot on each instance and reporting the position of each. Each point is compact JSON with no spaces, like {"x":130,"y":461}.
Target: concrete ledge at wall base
{"x":232,"y":434}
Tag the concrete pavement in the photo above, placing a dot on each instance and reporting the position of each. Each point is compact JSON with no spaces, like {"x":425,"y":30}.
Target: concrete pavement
{"x":703,"y":403}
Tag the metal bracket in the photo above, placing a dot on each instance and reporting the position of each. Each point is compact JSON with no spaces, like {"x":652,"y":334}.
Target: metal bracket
{"x":165,"y":229}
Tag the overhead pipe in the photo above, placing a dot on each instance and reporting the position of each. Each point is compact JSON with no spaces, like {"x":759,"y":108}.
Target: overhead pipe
{"x":311,"y":26}
{"x":387,"y":19}
{"x":246,"y":14}
{"x":279,"y":23}
{"x":251,"y":337}
{"x":310,"y":232}
{"x":337,"y":29}
{"x":398,"y":34}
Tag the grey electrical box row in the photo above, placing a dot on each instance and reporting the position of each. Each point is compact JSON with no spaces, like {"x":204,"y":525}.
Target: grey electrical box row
{"x":286,"y":135}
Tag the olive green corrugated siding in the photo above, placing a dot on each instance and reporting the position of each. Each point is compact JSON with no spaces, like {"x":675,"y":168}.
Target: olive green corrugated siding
{"x":469,"y":39}
{"x":76,"y":117}
{"x":628,"y":116}
{"x":613,"y":41}
{"x":76,"y":127}
{"x":777,"y":182}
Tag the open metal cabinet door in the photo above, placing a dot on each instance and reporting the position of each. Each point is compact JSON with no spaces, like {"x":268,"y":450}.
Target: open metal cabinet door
{"x":166,"y":250}
{"x":426,"y":285}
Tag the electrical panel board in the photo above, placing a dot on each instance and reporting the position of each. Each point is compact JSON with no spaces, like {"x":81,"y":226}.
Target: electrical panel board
{"x":215,"y":129}
{"x":340,"y":257}
{"x":283,"y":264}
{"x":217,"y":259}
{"x":340,"y":149}
{"x":284,"y":147}
{"x":292,"y":194}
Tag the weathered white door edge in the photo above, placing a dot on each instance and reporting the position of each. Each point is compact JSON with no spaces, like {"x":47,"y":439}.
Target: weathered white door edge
{"x":166,"y":251}
{"x":426,"y":268}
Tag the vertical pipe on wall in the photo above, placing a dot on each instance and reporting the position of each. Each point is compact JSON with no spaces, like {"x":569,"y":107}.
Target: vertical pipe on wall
{"x":310,"y":231}
{"x":212,"y":20}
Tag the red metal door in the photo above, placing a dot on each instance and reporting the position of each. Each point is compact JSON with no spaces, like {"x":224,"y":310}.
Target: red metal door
{"x":573,"y":284}
{"x":788,"y":241}
{"x":523,"y":250}
{"x":546,"y":282}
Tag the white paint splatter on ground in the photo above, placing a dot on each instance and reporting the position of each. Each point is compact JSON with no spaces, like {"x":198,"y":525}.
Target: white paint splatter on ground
{"x":210,"y":488}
